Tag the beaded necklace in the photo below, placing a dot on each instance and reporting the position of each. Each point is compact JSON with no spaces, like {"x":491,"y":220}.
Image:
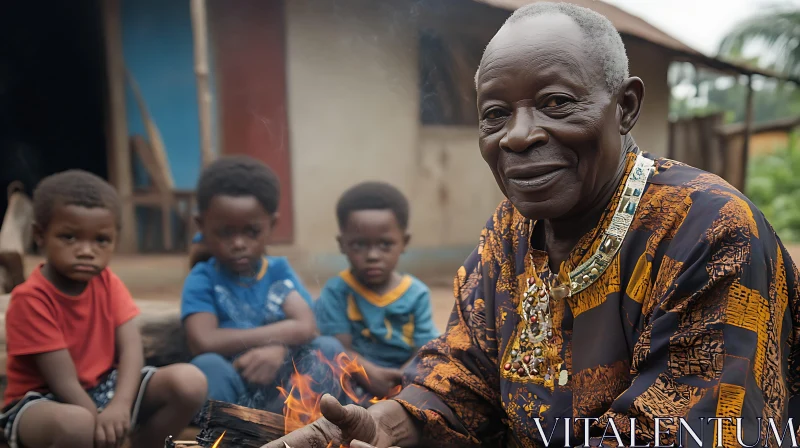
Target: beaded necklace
{"x":535,"y":340}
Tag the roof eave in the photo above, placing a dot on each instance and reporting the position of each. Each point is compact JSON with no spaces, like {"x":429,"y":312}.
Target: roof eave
{"x":632,"y":26}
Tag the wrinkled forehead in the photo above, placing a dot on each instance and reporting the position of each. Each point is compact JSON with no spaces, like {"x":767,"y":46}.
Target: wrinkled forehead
{"x":550,"y":47}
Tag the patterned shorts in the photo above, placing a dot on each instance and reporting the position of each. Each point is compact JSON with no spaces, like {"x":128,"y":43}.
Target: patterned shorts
{"x":100,"y":394}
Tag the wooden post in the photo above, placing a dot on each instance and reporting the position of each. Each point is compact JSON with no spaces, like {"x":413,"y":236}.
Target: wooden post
{"x":671,"y":126}
{"x":748,"y":130}
{"x":243,"y":427}
{"x":15,"y":237}
{"x":119,"y":156}
{"x":200,"y":29}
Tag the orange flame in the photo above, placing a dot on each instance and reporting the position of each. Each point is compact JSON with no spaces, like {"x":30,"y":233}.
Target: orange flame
{"x":216,"y":444}
{"x":346,"y":369}
{"x":301,"y":405}
{"x":395,"y":390}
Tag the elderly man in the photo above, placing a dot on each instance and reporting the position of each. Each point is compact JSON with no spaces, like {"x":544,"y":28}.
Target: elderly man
{"x":613,"y":298}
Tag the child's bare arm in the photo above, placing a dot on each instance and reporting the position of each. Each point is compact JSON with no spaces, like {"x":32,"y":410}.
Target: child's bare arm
{"x":61,"y":377}
{"x":131,"y":361}
{"x":205,"y":336}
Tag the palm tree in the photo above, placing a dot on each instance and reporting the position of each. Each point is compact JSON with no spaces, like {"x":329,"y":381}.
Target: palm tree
{"x":777,"y":32}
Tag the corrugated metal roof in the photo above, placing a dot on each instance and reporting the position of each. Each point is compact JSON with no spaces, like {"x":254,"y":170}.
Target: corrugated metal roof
{"x":631,"y":25}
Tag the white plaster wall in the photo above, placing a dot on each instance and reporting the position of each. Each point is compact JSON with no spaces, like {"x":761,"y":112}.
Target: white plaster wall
{"x":651,"y":64}
{"x":354,"y":115}
{"x":455,"y":192}
{"x":353,"y":105}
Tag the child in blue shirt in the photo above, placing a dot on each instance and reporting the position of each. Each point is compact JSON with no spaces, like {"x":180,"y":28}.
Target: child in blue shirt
{"x":380,"y":315}
{"x":247,"y":316}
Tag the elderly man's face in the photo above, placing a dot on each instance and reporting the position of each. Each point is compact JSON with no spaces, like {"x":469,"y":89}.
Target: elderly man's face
{"x":549,"y":127}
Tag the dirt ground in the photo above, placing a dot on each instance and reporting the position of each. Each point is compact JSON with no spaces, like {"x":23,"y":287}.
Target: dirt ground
{"x":160,"y":278}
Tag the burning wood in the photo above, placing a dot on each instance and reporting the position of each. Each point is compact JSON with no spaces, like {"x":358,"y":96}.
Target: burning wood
{"x":241,"y":427}
{"x":245,"y":427}
{"x":302,"y":405}
{"x":170,"y":443}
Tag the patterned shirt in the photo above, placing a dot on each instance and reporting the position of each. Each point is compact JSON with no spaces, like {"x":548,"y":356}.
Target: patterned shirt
{"x":241,"y":302}
{"x":696,"y":317}
{"x":386,"y":328}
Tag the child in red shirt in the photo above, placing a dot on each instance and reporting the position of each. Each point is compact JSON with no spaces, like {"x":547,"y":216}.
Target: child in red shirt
{"x":75,"y":362}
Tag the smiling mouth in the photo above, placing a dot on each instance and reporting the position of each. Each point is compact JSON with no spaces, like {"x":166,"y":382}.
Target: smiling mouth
{"x":538,"y":181}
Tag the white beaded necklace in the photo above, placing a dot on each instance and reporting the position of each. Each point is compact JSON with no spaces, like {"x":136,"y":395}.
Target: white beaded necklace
{"x":536,"y":336}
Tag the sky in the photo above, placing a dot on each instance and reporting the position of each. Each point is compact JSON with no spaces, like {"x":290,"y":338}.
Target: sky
{"x":701,"y":24}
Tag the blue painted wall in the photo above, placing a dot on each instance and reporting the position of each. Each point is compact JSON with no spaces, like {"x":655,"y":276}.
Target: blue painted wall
{"x":158,"y":50}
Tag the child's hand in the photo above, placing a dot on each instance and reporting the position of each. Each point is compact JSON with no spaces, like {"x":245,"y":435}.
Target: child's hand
{"x":260,"y":365}
{"x":382,"y":380}
{"x":112,"y":426}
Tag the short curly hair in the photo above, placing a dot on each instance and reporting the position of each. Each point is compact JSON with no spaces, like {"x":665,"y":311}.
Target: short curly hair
{"x":602,"y":41}
{"x":73,"y":187}
{"x":373,"y":196}
{"x":239,"y":176}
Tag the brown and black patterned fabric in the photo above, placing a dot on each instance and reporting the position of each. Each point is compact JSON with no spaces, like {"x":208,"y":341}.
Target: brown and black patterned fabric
{"x":697,"y":317}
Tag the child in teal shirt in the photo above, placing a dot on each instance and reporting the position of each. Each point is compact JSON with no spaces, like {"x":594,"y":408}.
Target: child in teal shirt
{"x":380,"y":315}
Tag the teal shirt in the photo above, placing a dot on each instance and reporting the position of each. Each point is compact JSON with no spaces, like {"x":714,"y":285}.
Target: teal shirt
{"x":386,"y":329}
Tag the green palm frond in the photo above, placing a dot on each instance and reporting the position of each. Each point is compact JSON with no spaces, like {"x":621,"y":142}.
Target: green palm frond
{"x":778,"y":31}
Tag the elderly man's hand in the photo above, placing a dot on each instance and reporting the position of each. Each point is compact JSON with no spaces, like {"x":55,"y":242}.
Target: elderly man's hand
{"x":360,"y":444}
{"x":341,"y":425}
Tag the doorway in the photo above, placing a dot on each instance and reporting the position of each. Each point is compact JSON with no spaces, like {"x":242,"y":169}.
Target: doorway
{"x":52,"y":91}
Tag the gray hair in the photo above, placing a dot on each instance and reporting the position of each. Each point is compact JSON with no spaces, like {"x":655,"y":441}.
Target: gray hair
{"x":601,"y":38}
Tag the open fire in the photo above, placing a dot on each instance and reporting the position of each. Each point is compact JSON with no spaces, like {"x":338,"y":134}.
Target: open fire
{"x":301,"y":405}
{"x":216,"y":444}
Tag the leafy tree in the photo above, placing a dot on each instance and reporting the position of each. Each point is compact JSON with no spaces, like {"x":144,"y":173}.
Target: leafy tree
{"x":770,"y":40}
{"x":773,"y":184}
{"x":772,"y":99}
{"x":776,"y":33}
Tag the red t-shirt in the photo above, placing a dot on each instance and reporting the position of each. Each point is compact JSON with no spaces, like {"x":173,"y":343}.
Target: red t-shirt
{"x":42,"y":319}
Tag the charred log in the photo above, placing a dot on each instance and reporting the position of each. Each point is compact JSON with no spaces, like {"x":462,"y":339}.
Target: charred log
{"x":243,"y":427}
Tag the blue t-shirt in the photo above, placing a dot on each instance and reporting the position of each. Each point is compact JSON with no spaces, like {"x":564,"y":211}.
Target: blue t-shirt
{"x":385,"y":329}
{"x":241,"y":302}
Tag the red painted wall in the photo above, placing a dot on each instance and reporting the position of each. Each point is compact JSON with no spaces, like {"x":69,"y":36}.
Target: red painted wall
{"x":248,"y":40}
